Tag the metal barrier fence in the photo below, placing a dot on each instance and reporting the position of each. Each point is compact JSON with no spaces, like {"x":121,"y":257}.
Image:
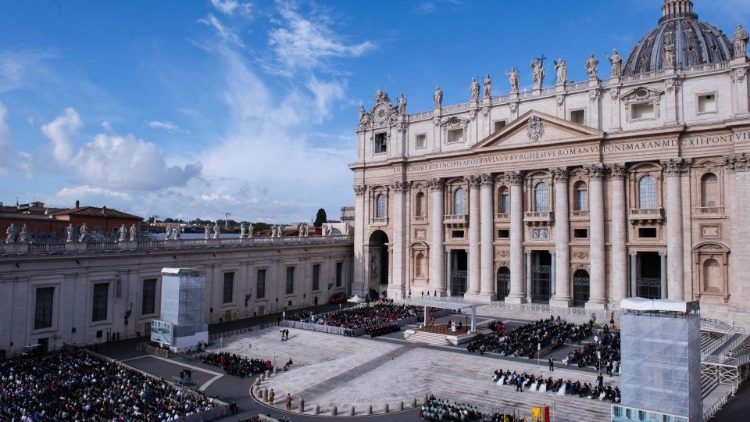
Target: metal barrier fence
{"x":218,"y":336}
{"x":151,"y":350}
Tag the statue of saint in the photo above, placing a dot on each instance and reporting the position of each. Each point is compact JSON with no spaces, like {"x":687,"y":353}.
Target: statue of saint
{"x":537,"y":72}
{"x":616,"y":61}
{"x":592,"y":67}
{"x":307,"y":230}
{"x":250,"y":231}
{"x":243,"y":229}
{"x":206,"y":232}
{"x":740,"y":42}
{"x":69,"y":233}
{"x":217,"y":230}
{"x":84,"y":233}
{"x":133,"y":232}
{"x":23,"y":236}
{"x":513,"y":79}
{"x":10,"y":234}
{"x":437,"y":97}
{"x":561,"y":68}
{"x":669,"y":61}
{"x":487,"y":86}
{"x":168,"y":233}
{"x":474,"y":90}
{"x":177,"y":233}
{"x":401,"y":105}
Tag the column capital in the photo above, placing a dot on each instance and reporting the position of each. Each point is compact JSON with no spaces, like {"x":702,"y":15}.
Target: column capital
{"x":400,"y":186}
{"x":360,"y":190}
{"x":737,"y":162}
{"x":616,"y":171}
{"x":514,"y":178}
{"x":560,"y":174}
{"x":594,"y":171}
{"x":486,"y":179}
{"x":474,"y":181}
{"x":435,"y":184}
{"x":673,"y":166}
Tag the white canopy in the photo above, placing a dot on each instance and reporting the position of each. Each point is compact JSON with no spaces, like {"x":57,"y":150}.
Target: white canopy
{"x":641,"y":304}
{"x":355,"y":299}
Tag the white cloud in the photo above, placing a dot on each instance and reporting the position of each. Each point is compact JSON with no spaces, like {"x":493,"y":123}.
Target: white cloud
{"x":225,"y":33}
{"x":425,"y":8}
{"x":228,"y":7}
{"x":19,"y":68}
{"x":129,"y":164}
{"x":60,"y":131}
{"x":5,"y":141}
{"x":165,"y":125}
{"x":24,"y":164}
{"x":107,"y":126}
{"x":89,"y":194}
{"x":303,"y":43}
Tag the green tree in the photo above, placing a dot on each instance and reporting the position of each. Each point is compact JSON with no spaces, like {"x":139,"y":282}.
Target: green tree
{"x":320,"y":218}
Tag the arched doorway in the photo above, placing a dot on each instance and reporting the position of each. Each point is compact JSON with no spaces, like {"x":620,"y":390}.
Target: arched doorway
{"x":503,"y":283}
{"x":378,"y":263}
{"x":580,"y":288}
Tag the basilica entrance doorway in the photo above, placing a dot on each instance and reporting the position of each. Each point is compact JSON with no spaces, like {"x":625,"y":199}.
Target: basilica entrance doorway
{"x":581,"y":285}
{"x":458,"y":272}
{"x":378,"y":259}
{"x":541,"y":280}
{"x":648,"y":275}
{"x":503,"y":283}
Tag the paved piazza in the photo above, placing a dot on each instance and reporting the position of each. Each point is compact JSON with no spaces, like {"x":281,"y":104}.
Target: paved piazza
{"x":335,"y":370}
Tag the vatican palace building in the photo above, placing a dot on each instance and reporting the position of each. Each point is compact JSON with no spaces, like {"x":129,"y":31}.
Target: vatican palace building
{"x":634,"y":182}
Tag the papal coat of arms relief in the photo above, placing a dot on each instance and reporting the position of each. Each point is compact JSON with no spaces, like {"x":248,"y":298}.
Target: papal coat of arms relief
{"x":535,"y":128}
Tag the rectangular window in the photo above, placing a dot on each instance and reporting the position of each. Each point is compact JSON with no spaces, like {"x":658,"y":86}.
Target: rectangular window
{"x":455,"y":135}
{"x":642,"y":111}
{"x":43,"y":309}
{"x":580,"y":233}
{"x":290,"y":280}
{"x":647,"y":233}
{"x":260,"y":284}
{"x":100,"y":301}
{"x":148,"y":305}
{"x":503,"y":234}
{"x":499,"y":125}
{"x":381,"y":143}
{"x":316,"y":277}
{"x":421,"y":141}
{"x":707,"y":103}
{"x":578,"y":116}
{"x":458,"y":234}
{"x":339,"y":273}
{"x":228,"y":287}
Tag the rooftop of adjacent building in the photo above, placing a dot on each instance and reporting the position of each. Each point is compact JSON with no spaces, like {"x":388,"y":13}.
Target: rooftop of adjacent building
{"x":38,"y":210}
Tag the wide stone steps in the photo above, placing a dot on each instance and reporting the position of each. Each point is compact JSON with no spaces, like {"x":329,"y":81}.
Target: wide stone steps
{"x":708,"y":385}
{"x":428,"y":338}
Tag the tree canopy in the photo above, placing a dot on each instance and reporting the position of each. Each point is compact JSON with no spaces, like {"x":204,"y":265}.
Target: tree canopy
{"x":320,"y":218}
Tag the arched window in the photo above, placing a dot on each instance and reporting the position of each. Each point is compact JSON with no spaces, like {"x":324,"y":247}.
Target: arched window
{"x":709,"y":190}
{"x":459,"y":202}
{"x":647,"y":193}
{"x":419,"y":265}
{"x":380,"y":206}
{"x":503,"y":201}
{"x":541,"y":197}
{"x":581,"y":199}
{"x":712,"y":275}
{"x":419,"y":208}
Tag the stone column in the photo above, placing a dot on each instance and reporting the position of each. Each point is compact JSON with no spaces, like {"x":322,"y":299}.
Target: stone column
{"x":473,"y":282}
{"x":598,"y":283}
{"x":562,"y":239}
{"x":437,"y":250}
{"x":633,"y":274}
{"x":618,"y":231}
{"x":528,"y":277}
{"x":487,"y":292}
{"x":396,"y":287}
{"x":516,"y":294}
{"x":553,"y":290}
{"x":738,"y":166}
{"x":360,"y":259}
{"x":675,"y":271}
{"x":663,"y":279}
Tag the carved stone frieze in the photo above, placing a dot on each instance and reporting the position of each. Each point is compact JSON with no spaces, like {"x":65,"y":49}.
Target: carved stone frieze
{"x":486,"y":179}
{"x":401,"y":186}
{"x":474,"y":181}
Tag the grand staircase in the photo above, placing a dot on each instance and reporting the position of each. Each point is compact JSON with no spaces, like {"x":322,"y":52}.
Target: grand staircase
{"x":427,"y":338}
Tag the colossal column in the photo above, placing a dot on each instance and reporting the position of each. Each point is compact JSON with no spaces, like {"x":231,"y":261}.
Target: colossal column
{"x":562,"y":239}
{"x":358,"y":283}
{"x":598,"y":284}
{"x":516,"y":239}
{"x":675,"y":272}
{"x":618,"y":271}
{"x":474,"y":182}
{"x":437,"y":270}
{"x":396,"y":288}
{"x":487,"y":291}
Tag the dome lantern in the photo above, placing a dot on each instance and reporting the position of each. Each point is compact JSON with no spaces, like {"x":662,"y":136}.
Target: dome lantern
{"x":676,"y":8}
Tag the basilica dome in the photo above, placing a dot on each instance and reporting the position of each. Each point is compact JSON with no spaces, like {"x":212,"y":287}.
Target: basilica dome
{"x":680,"y":40}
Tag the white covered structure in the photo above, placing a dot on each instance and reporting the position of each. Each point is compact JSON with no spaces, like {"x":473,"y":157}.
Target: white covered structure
{"x":182,"y":323}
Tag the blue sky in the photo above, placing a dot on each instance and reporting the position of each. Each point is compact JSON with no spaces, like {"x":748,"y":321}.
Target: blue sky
{"x":195,"y":108}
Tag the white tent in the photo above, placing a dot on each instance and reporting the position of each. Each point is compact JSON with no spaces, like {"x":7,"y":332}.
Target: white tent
{"x":355,"y":299}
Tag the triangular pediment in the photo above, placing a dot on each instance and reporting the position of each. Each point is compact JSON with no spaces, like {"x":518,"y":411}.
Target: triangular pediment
{"x":535,"y":128}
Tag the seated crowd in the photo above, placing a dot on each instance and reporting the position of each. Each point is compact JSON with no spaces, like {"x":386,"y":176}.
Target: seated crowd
{"x":371,"y":318}
{"x":608,"y":342}
{"x":74,"y":385}
{"x":236,"y":365}
{"x":539,"y":383}
{"x":445,"y":411}
{"x":522,"y":341}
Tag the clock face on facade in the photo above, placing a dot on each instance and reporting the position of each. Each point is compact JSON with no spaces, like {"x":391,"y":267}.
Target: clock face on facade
{"x":381,"y":113}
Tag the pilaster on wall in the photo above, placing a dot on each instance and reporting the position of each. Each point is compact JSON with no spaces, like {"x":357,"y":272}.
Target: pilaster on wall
{"x":358,"y":281}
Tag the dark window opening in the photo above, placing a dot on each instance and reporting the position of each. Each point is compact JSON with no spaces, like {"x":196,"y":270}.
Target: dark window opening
{"x":647,"y":232}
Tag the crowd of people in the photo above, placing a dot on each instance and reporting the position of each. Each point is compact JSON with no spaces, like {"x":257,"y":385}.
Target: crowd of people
{"x":445,"y":411}
{"x":383,"y":330}
{"x":236,"y":365}
{"x":370,"y":317}
{"x":75,"y":385}
{"x":605,"y":341}
{"x":550,"y":333}
{"x":569,"y":388}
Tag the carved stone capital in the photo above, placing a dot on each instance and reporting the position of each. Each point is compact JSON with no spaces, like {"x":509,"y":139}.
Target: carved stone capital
{"x":399,"y":186}
{"x":673,"y":166}
{"x":616,"y":171}
{"x":486,"y":179}
{"x":360,"y":190}
{"x":738,"y":75}
{"x":614,"y":94}
{"x":515,"y":178}
{"x":594,"y":171}
{"x":435,"y":184}
{"x":559,"y":173}
{"x":474,"y":181}
{"x":737,"y":162}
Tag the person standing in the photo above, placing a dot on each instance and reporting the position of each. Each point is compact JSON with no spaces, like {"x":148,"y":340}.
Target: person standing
{"x":288,"y":401}
{"x":551,"y":365}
